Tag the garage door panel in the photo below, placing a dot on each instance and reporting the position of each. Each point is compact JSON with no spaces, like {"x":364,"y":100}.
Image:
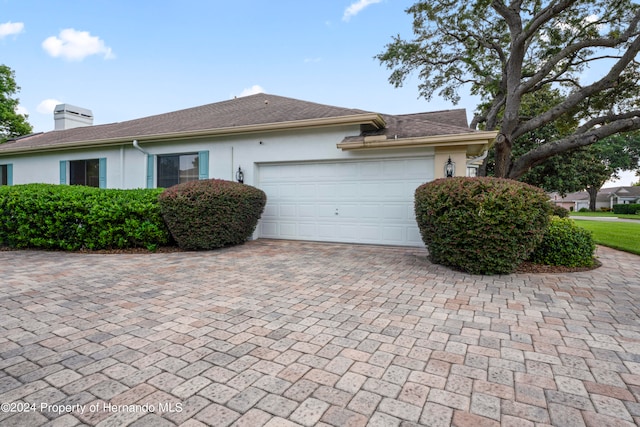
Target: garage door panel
{"x":370,"y":190}
{"x":270,"y":211}
{"x":348,"y":233}
{"x":396,"y":211}
{"x":269,"y":228}
{"x":288,"y":211}
{"x":288,"y":229}
{"x":369,"y":233}
{"x":349,"y":211}
{"x":326,"y":231}
{"x":306,"y":230}
{"x":327,"y":191}
{"x":370,"y":211}
{"x":370,"y":169}
{"x":307,"y":211}
{"x":393,"y":234}
{"x":325,"y":212}
{"x":352,"y":201}
{"x":413,"y":237}
{"x":287,"y":191}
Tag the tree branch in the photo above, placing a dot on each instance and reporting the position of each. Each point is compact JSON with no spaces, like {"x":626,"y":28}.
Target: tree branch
{"x":580,"y":95}
{"x":576,"y":140}
{"x":545,"y":16}
{"x":576,"y":47}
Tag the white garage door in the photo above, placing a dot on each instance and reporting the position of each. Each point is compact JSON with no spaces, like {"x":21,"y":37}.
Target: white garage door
{"x":356,"y":202}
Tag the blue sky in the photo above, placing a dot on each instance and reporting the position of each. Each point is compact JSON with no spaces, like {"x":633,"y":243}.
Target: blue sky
{"x":129,"y":59}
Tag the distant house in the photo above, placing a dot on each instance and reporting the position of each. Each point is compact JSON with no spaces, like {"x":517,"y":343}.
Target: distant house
{"x":330,"y":173}
{"x":607,"y":197}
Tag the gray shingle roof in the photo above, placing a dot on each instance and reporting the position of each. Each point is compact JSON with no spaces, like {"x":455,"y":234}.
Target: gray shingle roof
{"x":446,"y":122}
{"x":604,"y":194}
{"x":259,"y":109}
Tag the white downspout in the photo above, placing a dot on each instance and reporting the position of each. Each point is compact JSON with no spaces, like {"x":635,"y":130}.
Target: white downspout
{"x":146,"y":157}
{"x":122,"y":166}
{"x":137,"y":147}
{"x":482,"y":157}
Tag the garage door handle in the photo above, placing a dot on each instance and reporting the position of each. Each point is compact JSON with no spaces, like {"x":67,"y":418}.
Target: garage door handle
{"x":336,"y":211}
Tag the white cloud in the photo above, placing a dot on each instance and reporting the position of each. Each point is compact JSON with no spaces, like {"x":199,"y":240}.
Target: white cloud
{"x":76,"y":45}
{"x":311,"y":60}
{"x":11,"y":28}
{"x":21,"y":110}
{"x":47,"y":106}
{"x":251,"y":90}
{"x":356,"y":8}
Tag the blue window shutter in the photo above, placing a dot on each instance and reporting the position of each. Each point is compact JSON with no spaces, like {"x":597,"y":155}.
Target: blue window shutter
{"x":102,"y":172}
{"x":63,"y":171}
{"x":203,"y":165}
{"x":9,"y":174}
{"x":150,"y":171}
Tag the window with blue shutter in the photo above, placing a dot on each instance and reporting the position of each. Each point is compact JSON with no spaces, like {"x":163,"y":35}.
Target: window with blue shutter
{"x":102,"y":172}
{"x":63,"y":171}
{"x":203,"y":165}
{"x":173,"y":169}
{"x":6,"y":174}
{"x":149,"y":171}
{"x":91,"y":172}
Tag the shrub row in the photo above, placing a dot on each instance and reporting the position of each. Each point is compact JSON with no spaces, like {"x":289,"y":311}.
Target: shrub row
{"x":211,"y":213}
{"x":75,"y":217}
{"x":481,"y":225}
{"x":630,"y":209}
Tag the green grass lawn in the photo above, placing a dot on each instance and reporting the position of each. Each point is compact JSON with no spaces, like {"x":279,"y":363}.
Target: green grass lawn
{"x":618,"y":235}
{"x":606,"y":214}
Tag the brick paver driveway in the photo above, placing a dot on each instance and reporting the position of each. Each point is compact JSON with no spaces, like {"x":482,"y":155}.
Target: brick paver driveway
{"x":277,"y":333}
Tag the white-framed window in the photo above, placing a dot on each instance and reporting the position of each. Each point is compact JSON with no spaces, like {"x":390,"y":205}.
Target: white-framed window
{"x":84,"y":172}
{"x":177,"y":168}
{"x":89,"y":172}
{"x":6,"y":174}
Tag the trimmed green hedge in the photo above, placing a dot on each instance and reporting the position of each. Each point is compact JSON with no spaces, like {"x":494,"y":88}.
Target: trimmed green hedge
{"x":481,"y":225}
{"x":211,"y":213}
{"x":566,"y":244}
{"x":630,"y":209}
{"x":74,"y":217}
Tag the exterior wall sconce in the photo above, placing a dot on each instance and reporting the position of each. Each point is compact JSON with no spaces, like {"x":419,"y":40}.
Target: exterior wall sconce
{"x":240,"y":175}
{"x":449,"y":168}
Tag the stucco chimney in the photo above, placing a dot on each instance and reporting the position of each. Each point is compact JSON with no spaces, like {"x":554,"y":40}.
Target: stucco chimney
{"x":67,"y":116}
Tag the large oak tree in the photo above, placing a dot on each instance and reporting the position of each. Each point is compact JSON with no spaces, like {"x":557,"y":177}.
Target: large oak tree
{"x":507,"y":52}
{"x":12,"y":123}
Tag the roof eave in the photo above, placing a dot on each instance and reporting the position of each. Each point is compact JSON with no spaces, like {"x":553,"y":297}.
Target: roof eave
{"x":372,"y":119}
{"x":483,"y":140}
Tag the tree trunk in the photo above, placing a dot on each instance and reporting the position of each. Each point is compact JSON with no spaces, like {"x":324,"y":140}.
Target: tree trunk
{"x":503,"y":156}
{"x":593,"y":195}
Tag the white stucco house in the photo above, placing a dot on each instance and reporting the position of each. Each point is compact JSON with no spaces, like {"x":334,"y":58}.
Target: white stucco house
{"x":330,"y":173}
{"x":605,"y":199}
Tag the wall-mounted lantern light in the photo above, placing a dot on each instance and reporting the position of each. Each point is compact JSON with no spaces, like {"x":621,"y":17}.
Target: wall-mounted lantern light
{"x":240,"y":175}
{"x":449,"y":168}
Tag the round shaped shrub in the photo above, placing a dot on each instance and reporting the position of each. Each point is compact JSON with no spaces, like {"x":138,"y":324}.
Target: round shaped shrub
{"x":481,"y":225}
{"x":211,"y":213}
{"x":566,"y":244}
{"x":560,"y":211}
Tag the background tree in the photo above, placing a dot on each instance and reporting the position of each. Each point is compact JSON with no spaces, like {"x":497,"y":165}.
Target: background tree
{"x":12,"y":123}
{"x":508,"y":52}
{"x":588,"y":168}
{"x":585,"y":168}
